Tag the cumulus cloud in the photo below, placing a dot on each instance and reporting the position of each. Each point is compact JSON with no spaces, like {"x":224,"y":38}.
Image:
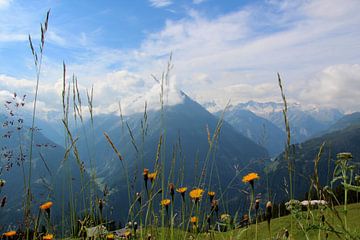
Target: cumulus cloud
{"x":313,"y":44}
{"x":212,"y":55}
{"x":335,"y":86}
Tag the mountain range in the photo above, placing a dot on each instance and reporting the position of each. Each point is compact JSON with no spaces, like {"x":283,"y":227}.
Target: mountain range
{"x":178,"y":140}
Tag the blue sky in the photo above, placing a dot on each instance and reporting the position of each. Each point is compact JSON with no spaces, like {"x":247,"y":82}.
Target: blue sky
{"x":221,"y":50}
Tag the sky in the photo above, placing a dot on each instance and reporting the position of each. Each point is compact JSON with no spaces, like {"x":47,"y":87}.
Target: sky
{"x":229,"y":50}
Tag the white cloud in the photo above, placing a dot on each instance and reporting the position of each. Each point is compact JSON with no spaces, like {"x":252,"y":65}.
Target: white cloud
{"x":233,"y":56}
{"x":13,"y":37}
{"x":160,"y":3}
{"x":4,"y":4}
{"x":54,"y":37}
{"x":335,"y":86}
{"x":11,"y":82}
{"x":234,"y":50}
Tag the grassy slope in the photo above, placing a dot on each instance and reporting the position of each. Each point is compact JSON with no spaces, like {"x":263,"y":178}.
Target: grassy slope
{"x":278,"y":226}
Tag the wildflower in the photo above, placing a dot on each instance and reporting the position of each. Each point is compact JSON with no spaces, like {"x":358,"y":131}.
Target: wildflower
{"x":110,"y":236}
{"x":268,"y":213}
{"x":135,"y":226}
{"x":211,"y":195}
{"x":215,"y":206}
{"x":182,"y":191}
{"x":250,"y":178}
{"x":129,"y":224}
{"x":48,"y":237}
{"x":165,"y":202}
{"x":101,"y":204}
{"x":257,"y":204}
{"x":146,"y":177}
{"x":127,"y":234}
{"x":196,"y":194}
{"x":194,"y":220}
{"x":145,"y":174}
{"x":2,"y":182}
{"x":10,"y":234}
{"x":225,"y":217}
{"x":138,"y":197}
{"x":46,"y":207}
{"x":152,"y":176}
{"x":172,"y":190}
{"x":287,"y":234}
{"x":292,"y":204}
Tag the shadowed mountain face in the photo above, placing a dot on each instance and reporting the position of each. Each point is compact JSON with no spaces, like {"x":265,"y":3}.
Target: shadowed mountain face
{"x":344,"y":140}
{"x":344,"y":122}
{"x":258,"y":129}
{"x":50,"y":178}
{"x":184,"y":150}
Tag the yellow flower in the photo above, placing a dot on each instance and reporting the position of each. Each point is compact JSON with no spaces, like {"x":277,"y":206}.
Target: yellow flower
{"x":46,"y":206}
{"x":127,"y":234}
{"x":48,"y":237}
{"x":211,"y":194}
{"x":110,"y":236}
{"x":152,"y":176}
{"x":250,"y":177}
{"x":181,"y":190}
{"x":194,"y":220}
{"x":10,"y":234}
{"x":196,"y":194}
{"x":165,"y":202}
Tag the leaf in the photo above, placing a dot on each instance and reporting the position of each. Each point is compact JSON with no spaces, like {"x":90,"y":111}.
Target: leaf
{"x":351,"y":187}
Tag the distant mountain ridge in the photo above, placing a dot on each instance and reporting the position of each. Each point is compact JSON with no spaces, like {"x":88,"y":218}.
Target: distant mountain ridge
{"x":305,"y":122}
{"x":258,"y":129}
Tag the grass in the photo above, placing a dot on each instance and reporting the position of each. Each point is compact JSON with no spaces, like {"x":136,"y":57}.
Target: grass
{"x":278,"y":226}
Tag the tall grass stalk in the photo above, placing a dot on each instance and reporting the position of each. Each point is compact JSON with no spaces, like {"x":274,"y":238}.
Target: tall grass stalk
{"x":287,"y":146}
{"x":124,"y":166}
{"x":38,"y":65}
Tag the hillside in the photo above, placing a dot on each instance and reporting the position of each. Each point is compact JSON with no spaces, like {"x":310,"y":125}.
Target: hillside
{"x":345,"y":140}
{"x":184,"y":145}
{"x":50,"y":178}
